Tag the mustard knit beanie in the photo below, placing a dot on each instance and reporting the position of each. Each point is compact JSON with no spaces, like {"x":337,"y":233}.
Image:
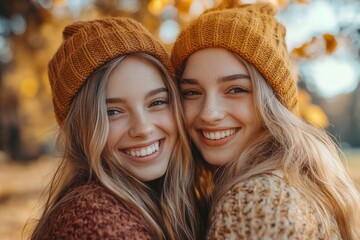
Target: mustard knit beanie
{"x":249,"y":30}
{"x":86,"y":46}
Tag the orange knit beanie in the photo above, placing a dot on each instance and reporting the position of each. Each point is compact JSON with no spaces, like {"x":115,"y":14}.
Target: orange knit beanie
{"x":249,"y":30}
{"x":86,"y":46}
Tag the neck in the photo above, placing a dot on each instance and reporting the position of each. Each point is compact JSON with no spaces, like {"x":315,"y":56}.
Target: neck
{"x":155,"y":186}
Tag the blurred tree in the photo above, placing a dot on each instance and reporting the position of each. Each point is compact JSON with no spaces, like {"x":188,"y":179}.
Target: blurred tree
{"x":354,"y":110}
{"x":9,"y":124}
{"x":31,"y":30}
{"x":22,"y":20}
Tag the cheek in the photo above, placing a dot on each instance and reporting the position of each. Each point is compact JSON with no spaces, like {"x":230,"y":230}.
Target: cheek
{"x":191,"y":110}
{"x":111,"y":139}
{"x":166,"y":122}
{"x":253,"y":117}
{"x":246,"y":114}
{"x":116,"y":132}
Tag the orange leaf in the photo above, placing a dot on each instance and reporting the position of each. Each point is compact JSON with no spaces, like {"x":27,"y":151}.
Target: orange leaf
{"x":302,"y":51}
{"x":303,"y":1}
{"x":330,"y":42}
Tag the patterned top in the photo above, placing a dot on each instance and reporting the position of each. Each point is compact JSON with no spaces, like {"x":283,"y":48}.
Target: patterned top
{"x":95,"y":213}
{"x":266,"y":207}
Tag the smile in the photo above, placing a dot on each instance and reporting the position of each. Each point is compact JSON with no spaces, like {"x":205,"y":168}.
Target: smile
{"x":218,"y":134}
{"x":143,"y":151}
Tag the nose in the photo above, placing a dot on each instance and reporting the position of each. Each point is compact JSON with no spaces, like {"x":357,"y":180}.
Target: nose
{"x":141,"y":126}
{"x":212,"y":111}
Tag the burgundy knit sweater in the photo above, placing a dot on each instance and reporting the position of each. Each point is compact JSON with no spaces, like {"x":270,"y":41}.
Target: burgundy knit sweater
{"x":95,"y":214}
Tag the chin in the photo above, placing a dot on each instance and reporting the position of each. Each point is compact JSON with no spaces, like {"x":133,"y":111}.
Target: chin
{"x":216,"y":160}
{"x":154,"y":175}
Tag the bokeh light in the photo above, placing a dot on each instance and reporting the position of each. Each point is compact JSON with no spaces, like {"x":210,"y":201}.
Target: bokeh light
{"x":168,"y":31}
{"x":18,"y":24}
{"x":333,"y":76}
{"x":29,"y":87}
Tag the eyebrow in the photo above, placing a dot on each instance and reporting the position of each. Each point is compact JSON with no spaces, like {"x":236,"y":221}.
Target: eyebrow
{"x":233,"y":77}
{"x":228,"y":78}
{"x":149,"y":94}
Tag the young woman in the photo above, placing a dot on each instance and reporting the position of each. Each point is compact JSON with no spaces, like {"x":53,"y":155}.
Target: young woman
{"x":126,"y":172}
{"x":276,"y":177}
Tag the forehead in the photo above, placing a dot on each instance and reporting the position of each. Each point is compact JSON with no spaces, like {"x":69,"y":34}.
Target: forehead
{"x":134,"y":75}
{"x":212,"y":62}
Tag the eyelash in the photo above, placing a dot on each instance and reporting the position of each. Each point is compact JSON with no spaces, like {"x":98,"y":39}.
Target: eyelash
{"x":159,"y":102}
{"x":155,"y":103}
{"x":112,"y":112}
{"x":233,"y":90}
{"x":240,"y":90}
{"x":189,"y":93}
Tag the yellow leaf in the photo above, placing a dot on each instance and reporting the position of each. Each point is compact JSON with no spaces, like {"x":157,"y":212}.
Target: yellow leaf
{"x":29,"y":87}
{"x":183,"y":6}
{"x":316,"y":116}
{"x":302,"y":51}
{"x":155,"y":7}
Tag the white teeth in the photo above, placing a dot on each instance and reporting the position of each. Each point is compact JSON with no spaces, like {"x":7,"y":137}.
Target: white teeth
{"x":149,"y":151}
{"x":218,"y":135}
{"x":145,"y":151}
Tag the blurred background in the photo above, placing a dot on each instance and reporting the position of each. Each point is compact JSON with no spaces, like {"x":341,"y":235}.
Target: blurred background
{"x":323,"y":37}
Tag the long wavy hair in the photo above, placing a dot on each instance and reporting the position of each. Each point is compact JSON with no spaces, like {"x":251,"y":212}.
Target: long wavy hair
{"x":308,"y":157}
{"x":82,"y":140}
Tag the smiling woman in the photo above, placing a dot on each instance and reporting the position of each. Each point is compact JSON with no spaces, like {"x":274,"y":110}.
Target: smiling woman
{"x":210,"y":98}
{"x":126,"y":171}
{"x":274,"y":175}
{"x":142,"y":129}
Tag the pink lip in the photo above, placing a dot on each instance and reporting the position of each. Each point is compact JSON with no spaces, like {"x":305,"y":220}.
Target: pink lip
{"x":216,"y":142}
{"x":146,"y":159}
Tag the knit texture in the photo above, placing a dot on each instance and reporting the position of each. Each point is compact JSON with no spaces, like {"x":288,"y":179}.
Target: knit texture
{"x":95,"y":214}
{"x":266,"y":207}
{"x":249,"y":30}
{"x":86,"y":46}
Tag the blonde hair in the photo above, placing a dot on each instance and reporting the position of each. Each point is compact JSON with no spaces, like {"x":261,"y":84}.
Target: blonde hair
{"x":308,"y":157}
{"x":85,"y":156}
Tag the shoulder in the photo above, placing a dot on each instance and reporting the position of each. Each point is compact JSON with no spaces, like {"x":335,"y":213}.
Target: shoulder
{"x":266,"y":188}
{"x":264,"y":206}
{"x":94,"y":212}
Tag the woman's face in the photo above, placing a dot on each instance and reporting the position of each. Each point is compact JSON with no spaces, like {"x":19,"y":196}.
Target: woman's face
{"x":142,"y":127}
{"x":218,"y":103}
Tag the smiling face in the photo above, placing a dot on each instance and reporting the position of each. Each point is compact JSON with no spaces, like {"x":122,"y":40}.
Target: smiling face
{"x":218,"y":104}
{"x":141,"y":125}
